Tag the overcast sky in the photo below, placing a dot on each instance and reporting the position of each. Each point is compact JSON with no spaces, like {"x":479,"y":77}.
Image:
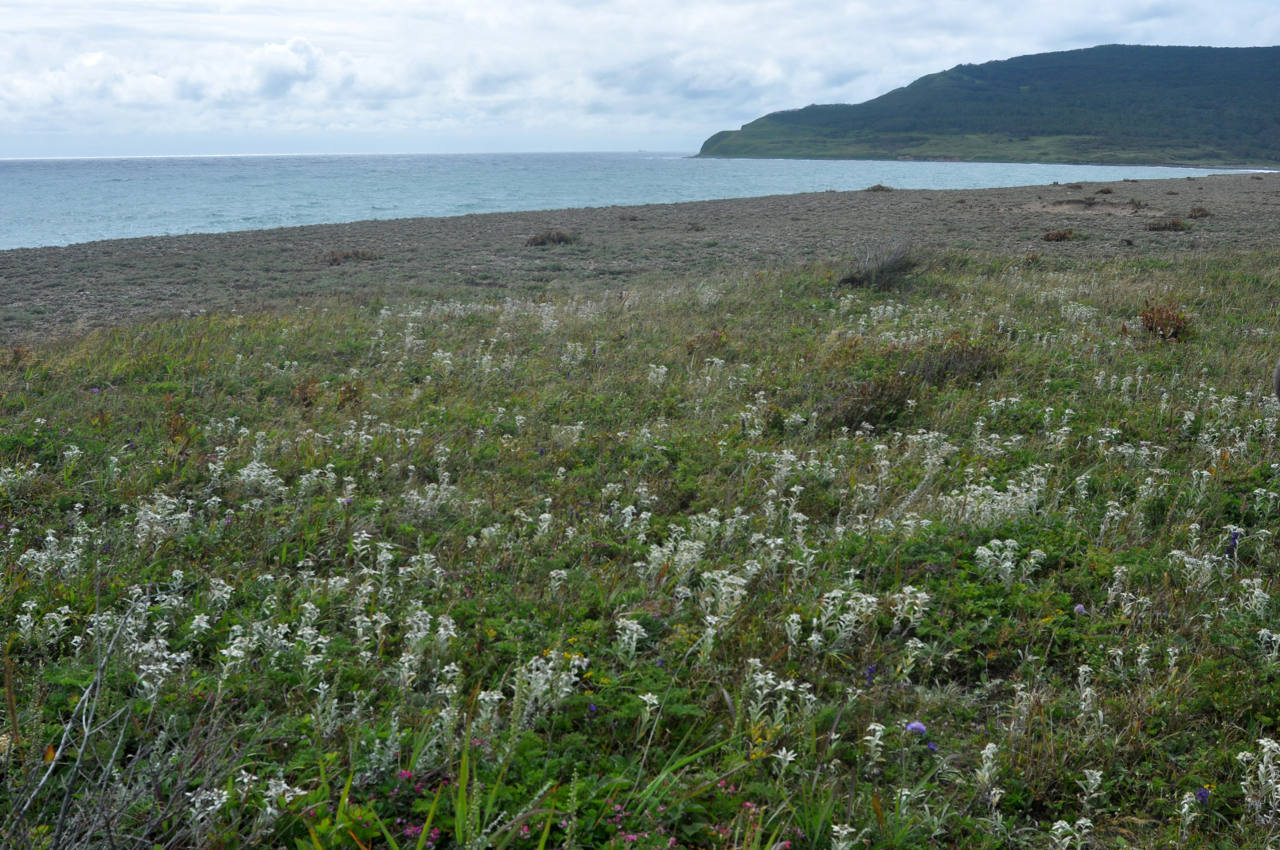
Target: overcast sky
{"x":120,"y":77}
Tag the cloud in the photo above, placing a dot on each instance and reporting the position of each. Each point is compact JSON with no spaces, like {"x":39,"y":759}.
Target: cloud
{"x":569,"y":69}
{"x":277,"y":68}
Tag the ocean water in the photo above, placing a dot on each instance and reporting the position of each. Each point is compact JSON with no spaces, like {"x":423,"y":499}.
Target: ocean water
{"x":63,"y":201}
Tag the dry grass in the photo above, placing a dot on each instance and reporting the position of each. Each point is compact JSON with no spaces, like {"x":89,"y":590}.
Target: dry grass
{"x":881,"y":267}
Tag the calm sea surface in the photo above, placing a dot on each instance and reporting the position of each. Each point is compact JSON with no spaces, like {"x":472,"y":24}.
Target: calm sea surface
{"x":61,"y":201}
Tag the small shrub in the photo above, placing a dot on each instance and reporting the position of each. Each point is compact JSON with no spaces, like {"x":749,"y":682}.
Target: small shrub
{"x":337,"y":258}
{"x":20,"y":355}
{"x":551,"y":237}
{"x":1198,"y":212}
{"x":1168,"y":225}
{"x":349,"y":394}
{"x":879,"y":187}
{"x":1166,"y":321}
{"x":1058,"y":236}
{"x":706,"y":342}
{"x":881,"y":267}
{"x":180,"y":429}
{"x":305,"y":393}
{"x":1105,"y":190}
{"x":878,"y":401}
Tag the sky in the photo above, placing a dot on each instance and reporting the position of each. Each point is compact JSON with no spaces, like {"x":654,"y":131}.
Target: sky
{"x":174,"y":77}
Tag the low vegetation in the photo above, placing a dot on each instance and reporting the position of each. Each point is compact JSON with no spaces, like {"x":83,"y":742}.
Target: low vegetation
{"x":338,"y":257}
{"x":551,"y":237}
{"x":1167,"y":225}
{"x":756,"y":560}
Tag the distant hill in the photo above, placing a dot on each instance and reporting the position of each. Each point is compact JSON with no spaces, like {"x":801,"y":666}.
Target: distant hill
{"x":1109,"y":104}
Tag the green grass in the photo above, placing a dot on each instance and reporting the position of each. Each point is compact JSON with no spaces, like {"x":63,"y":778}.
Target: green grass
{"x":586,"y":571}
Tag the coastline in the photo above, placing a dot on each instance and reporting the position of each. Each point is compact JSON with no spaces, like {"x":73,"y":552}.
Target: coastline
{"x":60,"y":291}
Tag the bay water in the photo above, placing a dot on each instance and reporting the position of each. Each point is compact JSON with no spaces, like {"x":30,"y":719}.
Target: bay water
{"x":62,"y":201}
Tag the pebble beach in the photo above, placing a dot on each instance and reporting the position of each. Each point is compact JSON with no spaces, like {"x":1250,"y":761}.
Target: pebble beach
{"x":52,"y":293}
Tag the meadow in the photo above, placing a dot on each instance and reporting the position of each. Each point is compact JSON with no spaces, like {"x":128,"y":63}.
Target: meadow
{"x":910,"y":549}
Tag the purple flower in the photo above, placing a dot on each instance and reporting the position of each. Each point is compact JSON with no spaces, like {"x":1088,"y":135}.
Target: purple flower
{"x":917,"y":727}
{"x":1080,"y":609}
{"x":1232,"y":543}
{"x":1202,"y":795}
{"x":933,"y":748}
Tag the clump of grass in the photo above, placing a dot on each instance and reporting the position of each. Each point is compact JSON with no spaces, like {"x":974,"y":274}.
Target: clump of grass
{"x":1199,"y":212}
{"x":1166,"y":321}
{"x":881,"y":267}
{"x":878,"y":187}
{"x":1167,"y":225}
{"x":1058,"y":236}
{"x":878,"y":401}
{"x":957,"y":359}
{"x":551,"y":237}
{"x":337,"y":258}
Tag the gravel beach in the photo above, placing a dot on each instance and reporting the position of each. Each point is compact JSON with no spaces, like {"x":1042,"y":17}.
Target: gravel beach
{"x":47,"y":293}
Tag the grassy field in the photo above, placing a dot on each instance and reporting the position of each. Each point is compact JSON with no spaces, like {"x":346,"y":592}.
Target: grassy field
{"x":961,"y":550}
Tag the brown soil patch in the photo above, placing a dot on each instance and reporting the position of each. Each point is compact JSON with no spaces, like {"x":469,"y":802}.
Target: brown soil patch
{"x":55,"y":291}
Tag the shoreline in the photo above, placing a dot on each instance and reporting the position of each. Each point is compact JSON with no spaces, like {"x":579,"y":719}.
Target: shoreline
{"x":52,"y":292}
{"x":1215,"y":168}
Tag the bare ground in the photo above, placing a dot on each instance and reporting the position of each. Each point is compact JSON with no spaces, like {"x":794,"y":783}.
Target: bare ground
{"x":52,"y":292}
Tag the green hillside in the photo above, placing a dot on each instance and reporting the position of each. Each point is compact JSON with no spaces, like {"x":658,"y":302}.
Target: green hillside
{"x":1110,"y":104}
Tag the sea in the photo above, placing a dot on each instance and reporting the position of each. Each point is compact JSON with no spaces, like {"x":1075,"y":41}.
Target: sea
{"x":63,"y":201}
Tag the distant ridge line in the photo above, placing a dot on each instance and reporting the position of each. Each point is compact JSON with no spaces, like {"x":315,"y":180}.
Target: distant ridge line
{"x":1112,"y":104}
